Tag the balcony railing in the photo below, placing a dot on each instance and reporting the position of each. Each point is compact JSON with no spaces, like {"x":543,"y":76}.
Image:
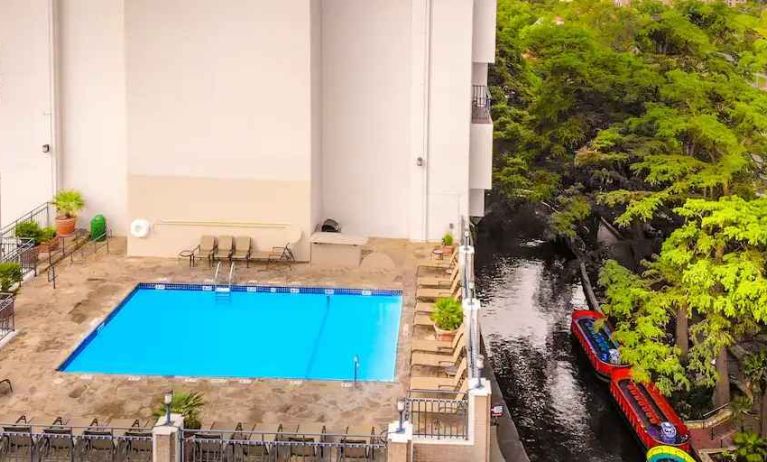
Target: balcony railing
{"x":480,"y":105}
{"x":438,"y":418}
{"x":7,"y":325}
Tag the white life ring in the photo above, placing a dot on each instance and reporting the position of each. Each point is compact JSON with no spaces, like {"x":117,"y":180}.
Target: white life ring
{"x":139,"y":228}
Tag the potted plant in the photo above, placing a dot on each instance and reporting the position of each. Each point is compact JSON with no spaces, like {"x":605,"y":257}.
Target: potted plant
{"x":447,"y":317}
{"x":68,"y":204}
{"x":186,"y":404}
{"x":48,"y":241}
{"x":447,"y":244}
{"x":10,"y":276}
{"x":30,"y":231}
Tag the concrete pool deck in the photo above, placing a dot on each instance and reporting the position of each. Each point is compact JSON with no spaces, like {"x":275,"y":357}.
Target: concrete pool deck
{"x":51,"y":323}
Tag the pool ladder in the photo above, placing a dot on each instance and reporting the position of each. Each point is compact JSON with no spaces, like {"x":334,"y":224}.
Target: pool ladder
{"x":223,"y":290}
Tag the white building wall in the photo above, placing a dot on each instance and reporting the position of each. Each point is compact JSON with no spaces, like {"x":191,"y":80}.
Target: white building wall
{"x":91,"y":77}
{"x":26,"y":173}
{"x":483,"y":50}
{"x":449,"y":115}
{"x":366,"y":103}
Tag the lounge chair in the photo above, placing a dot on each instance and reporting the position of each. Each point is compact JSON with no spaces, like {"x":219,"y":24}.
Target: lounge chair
{"x":205,"y":249}
{"x":96,"y":442}
{"x":357,"y":435}
{"x":440,"y":264}
{"x":260,"y":445}
{"x":57,"y":441}
{"x":440,"y":383}
{"x":436,"y":346}
{"x":17,"y":441}
{"x":307,"y":433}
{"x":447,"y":361}
{"x":224,"y":249}
{"x":242,"y":250}
{"x":432,"y":294}
{"x":445,"y":280}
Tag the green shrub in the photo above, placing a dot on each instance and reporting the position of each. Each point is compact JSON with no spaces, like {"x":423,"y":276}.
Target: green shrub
{"x":69,"y":203}
{"x":447,"y":239}
{"x":186,"y":404}
{"x":29,"y":230}
{"x":749,"y":447}
{"x":47,"y":234}
{"x":448,"y":314}
{"x":10,"y":275}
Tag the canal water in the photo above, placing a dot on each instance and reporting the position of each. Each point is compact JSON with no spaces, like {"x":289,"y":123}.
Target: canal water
{"x":528,"y":287}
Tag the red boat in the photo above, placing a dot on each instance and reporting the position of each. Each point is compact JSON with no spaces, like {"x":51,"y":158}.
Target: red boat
{"x":598,"y":345}
{"x":653,"y":419}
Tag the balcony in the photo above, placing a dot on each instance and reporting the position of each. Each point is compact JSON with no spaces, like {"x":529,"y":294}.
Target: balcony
{"x":480,"y":105}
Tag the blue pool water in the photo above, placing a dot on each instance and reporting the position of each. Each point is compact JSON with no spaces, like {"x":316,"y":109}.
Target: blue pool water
{"x":249,"y":333}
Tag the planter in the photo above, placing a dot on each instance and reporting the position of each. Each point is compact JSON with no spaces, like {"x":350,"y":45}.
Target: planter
{"x":445,"y":335}
{"x":49,"y":246}
{"x":65,"y":226}
{"x":447,"y":250}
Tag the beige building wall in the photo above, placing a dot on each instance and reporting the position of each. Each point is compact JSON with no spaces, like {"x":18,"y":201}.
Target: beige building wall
{"x":26,"y":173}
{"x":91,"y":89}
{"x":219,"y":122}
{"x":366,"y":103}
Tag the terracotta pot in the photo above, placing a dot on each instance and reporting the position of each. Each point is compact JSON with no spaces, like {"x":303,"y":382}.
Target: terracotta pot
{"x":65,"y":226}
{"x":445,"y":335}
{"x":49,"y":246}
{"x":448,"y":250}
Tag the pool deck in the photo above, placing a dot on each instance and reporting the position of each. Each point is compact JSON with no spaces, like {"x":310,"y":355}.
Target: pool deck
{"x":51,"y":323}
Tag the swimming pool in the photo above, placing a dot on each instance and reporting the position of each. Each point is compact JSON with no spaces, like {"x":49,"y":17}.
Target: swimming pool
{"x":252,"y":332}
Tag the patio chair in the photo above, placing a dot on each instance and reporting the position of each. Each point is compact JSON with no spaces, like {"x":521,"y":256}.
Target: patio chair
{"x":359,"y":435}
{"x":205,"y":249}
{"x":436,"y":346}
{"x":448,"y":362}
{"x":96,"y":442}
{"x":242,"y":250}
{"x":224,"y":249}
{"x":307,"y":433}
{"x":445,"y":280}
{"x":440,"y":383}
{"x":261,"y":442}
{"x":57,"y":441}
{"x":17,"y":441}
{"x":427,"y":294}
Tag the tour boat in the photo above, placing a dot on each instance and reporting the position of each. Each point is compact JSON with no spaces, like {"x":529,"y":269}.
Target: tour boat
{"x":601,"y":350}
{"x":653,"y":419}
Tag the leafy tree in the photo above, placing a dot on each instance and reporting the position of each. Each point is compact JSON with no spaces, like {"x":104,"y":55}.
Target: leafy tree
{"x":755,"y":369}
{"x":713,"y":266}
{"x":749,"y":447}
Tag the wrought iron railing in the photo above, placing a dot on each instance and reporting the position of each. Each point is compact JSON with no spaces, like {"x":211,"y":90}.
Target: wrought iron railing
{"x":239,"y":445}
{"x":438,"y":418}
{"x":7,"y":315}
{"x":22,"y":442}
{"x":480,"y":104}
{"x":43,"y":215}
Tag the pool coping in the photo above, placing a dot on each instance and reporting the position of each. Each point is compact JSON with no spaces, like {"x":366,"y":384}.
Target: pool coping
{"x":98,"y":324}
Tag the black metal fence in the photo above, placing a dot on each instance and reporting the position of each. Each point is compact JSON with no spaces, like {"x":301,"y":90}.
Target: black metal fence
{"x":238,"y":445}
{"x":43,"y":215}
{"x":438,"y":418}
{"x":6,"y":315}
{"x":480,"y":104}
{"x":58,"y":443}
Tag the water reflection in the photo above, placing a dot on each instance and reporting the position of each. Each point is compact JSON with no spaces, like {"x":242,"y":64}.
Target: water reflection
{"x":563,"y":412}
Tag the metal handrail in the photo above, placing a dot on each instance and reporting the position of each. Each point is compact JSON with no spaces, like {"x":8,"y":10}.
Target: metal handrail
{"x":468,"y":288}
{"x":480,"y":104}
{"x":215,"y":275}
{"x":231,"y":275}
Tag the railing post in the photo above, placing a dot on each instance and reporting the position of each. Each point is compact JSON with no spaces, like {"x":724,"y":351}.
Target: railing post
{"x":399,"y":442}
{"x":479,"y":418}
{"x":167,"y":439}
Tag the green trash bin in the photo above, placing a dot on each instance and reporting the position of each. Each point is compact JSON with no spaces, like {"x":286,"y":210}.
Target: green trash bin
{"x":99,"y":228}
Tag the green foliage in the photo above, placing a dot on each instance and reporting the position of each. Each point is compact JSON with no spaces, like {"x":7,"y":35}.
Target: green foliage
{"x":571,"y":211}
{"x":29,"y":230}
{"x":447,"y":314}
{"x":47,"y":234}
{"x":69,"y":203}
{"x":640,"y":107}
{"x":10,"y":275}
{"x":447,"y":239}
{"x":188,"y":404}
{"x":749,"y":447}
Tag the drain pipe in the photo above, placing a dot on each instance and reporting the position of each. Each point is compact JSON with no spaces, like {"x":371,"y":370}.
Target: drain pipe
{"x":428,"y":22}
{"x":53,"y":148}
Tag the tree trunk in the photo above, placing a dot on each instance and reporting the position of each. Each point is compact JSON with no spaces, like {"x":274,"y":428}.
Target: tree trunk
{"x":722,"y":390}
{"x":763,"y":414}
{"x":682,"y":331}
